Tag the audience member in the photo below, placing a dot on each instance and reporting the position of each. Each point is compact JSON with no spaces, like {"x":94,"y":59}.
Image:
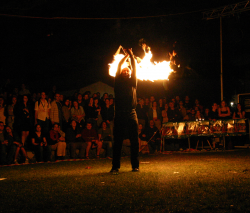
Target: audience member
{"x":2,"y":110}
{"x":42,"y":112}
{"x":56,"y":115}
{"x":213,"y":114}
{"x":78,"y":114}
{"x":141,"y":112}
{"x":40,"y":145}
{"x":173,"y":113}
{"x":66,"y":110}
{"x":104,"y":134}
{"x":57,"y":142}
{"x":7,"y":148}
{"x":25,"y":114}
{"x":13,"y":138}
{"x":91,"y":138}
{"x":154,"y":113}
{"x":75,"y":141}
{"x":11,"y":112}
{"x":239,"y":113}
{"x":224,"y":111}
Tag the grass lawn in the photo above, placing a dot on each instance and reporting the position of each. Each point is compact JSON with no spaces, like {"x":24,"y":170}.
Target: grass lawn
{"x":180,"y":182}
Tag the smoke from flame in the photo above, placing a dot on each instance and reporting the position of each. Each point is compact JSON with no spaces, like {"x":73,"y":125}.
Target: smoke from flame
{"x":146,"y":70}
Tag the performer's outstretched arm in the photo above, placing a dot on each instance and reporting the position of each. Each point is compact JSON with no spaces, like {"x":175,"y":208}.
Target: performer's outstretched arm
{"x":133,"y":65}
{"x":118,"y":72}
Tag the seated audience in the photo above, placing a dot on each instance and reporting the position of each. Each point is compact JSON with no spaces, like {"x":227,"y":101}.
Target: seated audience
{"x":13,"y":138}
{"x":75,"y":141}
{"x":7,"y":148}
{"x":143,"y":144}
{"x":153,"y":137}
{"x":57,"y":142}
{"x":40,"y":145}
{"x":104,"y":134}
{"x":91,"y":138}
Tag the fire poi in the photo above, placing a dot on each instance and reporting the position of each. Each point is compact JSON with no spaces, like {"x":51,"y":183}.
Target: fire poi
{"x":146,"y":69}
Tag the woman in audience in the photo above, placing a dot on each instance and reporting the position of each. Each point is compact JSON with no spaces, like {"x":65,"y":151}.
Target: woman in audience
{"x":25,"y":114}
{"x":13,"y":138}
{"x":57,"y":142}
{"x":104,"y":134}
{"x":161,"y":106}
{"x":40,"y":145}
{"x":224,"y":111}
{"x":78,"y":114}
{"x":239,"y":113}
{"x":141,"y":112}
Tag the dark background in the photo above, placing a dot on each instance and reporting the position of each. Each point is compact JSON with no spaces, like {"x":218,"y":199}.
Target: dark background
{"x":73,"y":53}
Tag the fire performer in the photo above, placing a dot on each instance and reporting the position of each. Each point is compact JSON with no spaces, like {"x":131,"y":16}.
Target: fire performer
{"x":125,"y":115}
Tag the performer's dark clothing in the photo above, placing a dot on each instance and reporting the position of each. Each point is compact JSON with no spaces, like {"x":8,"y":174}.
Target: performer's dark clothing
{"x":125,"y":122}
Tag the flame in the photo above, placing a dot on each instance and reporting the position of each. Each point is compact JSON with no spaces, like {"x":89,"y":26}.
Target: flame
{"x":146,"y":70}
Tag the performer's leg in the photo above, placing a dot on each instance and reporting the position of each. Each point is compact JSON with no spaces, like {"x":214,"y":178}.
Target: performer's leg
{"x":134,"y":141}
{"x":118,"y":140}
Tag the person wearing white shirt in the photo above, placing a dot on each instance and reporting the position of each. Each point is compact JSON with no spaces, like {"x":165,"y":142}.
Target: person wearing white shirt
{"x":42,"y":111}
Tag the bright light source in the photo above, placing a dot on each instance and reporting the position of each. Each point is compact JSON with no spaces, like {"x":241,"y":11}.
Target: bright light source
{"x":232,"y":103}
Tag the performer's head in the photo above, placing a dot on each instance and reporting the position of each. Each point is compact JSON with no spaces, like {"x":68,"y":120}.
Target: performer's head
{"x":126,"y":72}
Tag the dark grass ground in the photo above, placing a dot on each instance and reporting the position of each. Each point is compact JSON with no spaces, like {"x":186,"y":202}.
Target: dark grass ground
{"x":187,"y":182}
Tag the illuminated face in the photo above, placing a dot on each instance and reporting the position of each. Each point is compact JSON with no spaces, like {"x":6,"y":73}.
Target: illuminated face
{"x":126,"y":72}
{"x":25,"y":98}
{"x":75,"y":104}
{"x":107,"y":101}
{"x":171,"y":104}
{"x":104,"y":125}
{"x":14,"y":100}
{"x":79,"y":97}
{"x":140,"y":126}
{"x":152,"y":98}
{"x":67,"y":102}
{"x":43,"y":95}
{"x":56,"y":128}
{"x":96,"y":101}
{"x":57,"y":97}
{"x":223,"y":103}
{"x":160,"y":101}
{"x":238,"y":106}
{"x":73,"y":123}
{"x":89,"y":126}
{"x":166,"y":106}
{"x":215,"y":106}
{"x":154,"y":104}
{"x":8,"y":129}
{"x":151,"y":123}
{"x":91,"y":100}
{"x":38,"y":128}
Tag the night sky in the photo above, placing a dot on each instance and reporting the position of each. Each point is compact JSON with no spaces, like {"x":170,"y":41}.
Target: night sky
{"x":72,"y":53}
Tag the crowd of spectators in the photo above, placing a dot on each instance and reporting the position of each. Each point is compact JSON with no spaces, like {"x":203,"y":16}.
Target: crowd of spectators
{"x":52,"y":122}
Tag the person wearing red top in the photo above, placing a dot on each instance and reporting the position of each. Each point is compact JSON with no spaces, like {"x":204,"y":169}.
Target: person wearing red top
{"x":91,"y":138}
{"x":57,"y":142}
